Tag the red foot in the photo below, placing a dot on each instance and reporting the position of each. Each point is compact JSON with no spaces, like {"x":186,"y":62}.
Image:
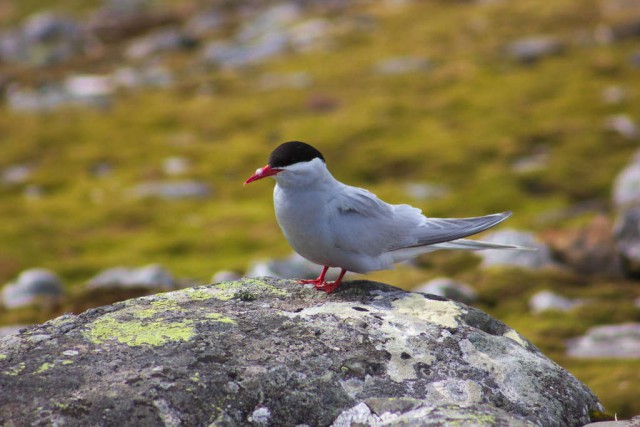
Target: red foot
{"x":328,"y":287}
{"x":320,"y":283}
{"x":314,"y":282}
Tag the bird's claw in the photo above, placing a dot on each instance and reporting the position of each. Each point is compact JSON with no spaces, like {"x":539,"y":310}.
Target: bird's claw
{"x":328,"y":287}
{"x":314,"y":282}
{"x":321,"y":285}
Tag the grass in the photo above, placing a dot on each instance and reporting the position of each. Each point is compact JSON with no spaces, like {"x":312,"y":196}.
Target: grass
{"x":462,"y":124}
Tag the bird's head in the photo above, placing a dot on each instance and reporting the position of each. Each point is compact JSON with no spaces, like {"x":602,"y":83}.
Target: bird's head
{"x":292,"y":163}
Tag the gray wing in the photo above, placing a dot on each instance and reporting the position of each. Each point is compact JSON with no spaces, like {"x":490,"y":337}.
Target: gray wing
{"x":362,"y":223}
{"x":439,"y":230}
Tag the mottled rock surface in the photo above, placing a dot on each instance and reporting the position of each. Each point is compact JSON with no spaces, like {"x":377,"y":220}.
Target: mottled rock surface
{"x":274,"y":352}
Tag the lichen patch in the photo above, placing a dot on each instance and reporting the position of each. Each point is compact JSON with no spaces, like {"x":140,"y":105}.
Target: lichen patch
{"x":443,"y":313}
{"x":513,"y":335}
{"x":139,"y":332}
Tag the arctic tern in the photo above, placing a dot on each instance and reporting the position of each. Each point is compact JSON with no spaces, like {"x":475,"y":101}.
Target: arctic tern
{"x":336,"y":225}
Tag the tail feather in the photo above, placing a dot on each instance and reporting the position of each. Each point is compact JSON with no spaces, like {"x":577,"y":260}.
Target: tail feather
{"x":439,"y":230}
{"x":475,"y":245}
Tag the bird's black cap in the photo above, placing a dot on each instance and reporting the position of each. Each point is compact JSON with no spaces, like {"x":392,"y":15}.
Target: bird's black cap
{"x":293,"y":152}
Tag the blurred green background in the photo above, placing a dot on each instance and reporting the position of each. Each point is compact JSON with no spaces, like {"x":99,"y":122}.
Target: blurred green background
{"x":392,"y":93}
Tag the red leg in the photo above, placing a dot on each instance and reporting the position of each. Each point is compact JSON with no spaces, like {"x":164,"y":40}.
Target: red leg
{"x":319,"y":280}
{"x":329,"y":287}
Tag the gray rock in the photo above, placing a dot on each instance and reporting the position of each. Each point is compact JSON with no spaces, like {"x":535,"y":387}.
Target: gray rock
{"x":176,"y":165}
{"x":16,"y":174}
{"x":629,"y":423}
{"x":265,"y":35}
{"x":549,"y":301}
{"x":151,"y":276}
{"x":402,"y":65}
{"x":88,"y":89}
{"x":279,"y":353}
{"x":45,"y":27}
{"x":614,"y":95}
{"x":623,"y":125}
{"x":149,"y":76}
{"x":158,"y":42}
{"x":403,"y":412}
{"x":36,"y":100}
{"x":449,"y":288}
{"x":627,"y":237}
{"x":33,"y":286}
{"x":292,"y":267}
{"x":78,"y":90}
{"x":626,"y":187}
{"x":49,"y":39}
{"x":536,"y":161}
{"x":101,"y":169}
{"x":309,"y":35}
{"x":538,"y":258}
{"x":233,"y":55}
{"x":172,"y":190}
{"x":532,"y":49}
{"x":270,"y":20}
{"x":13,"y":47}
{"x":608,"y":341}
{"x":33,"y":192}
{"x":271,"y":32}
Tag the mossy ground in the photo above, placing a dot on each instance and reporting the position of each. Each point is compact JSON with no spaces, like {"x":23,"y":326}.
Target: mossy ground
{"x":462,"y":124}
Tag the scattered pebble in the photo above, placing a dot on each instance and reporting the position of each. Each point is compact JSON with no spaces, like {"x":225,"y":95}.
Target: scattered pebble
{"x":538,"y":258}
{"x":532,"y":49}
{"x":549,"y":301}
{"x":172,"y":190}
{"x":608,"y":341}
{"x":151,"y":276}
{"x":33,"y":286}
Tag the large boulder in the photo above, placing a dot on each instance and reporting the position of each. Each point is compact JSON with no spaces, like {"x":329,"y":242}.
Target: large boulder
{"x":273,"y":352}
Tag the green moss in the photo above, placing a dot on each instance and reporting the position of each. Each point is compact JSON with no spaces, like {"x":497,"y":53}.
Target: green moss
{"x":136,"y":326}
{"x":3,"y":356}
{"x":199,"y":294}
{"x":15,"y":370}
{"x":217,"y":317}
{"x":44,"y":367}
{"x":61,"y":405}
{"x":242,"y":288}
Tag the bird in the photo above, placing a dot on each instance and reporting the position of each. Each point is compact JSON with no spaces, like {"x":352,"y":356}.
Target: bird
{"x":333,"y":224}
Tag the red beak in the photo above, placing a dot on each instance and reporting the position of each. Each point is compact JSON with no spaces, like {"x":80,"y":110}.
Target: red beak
{"x":262,"y":173}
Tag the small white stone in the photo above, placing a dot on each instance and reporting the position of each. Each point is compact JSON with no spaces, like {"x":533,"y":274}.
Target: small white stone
{"x":260,"y":416}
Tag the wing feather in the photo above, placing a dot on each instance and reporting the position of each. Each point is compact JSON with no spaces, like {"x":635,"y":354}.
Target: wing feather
{"x":365,"y":224}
